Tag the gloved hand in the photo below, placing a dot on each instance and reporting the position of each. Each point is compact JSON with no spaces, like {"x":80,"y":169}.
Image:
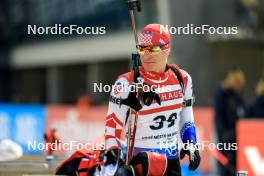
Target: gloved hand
{"x":147,"y":92}
{"x":149,"y":96}
{"x":194,"y":156}
{"x":112,"y":156}
{"x":146,"y":96}
{"x":132,"y":101}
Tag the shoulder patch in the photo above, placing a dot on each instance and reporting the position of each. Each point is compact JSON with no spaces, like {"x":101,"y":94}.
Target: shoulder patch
{"x":121,"y":83}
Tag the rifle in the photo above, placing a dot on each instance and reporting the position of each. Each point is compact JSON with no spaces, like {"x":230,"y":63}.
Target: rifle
{"x":133,"y":5}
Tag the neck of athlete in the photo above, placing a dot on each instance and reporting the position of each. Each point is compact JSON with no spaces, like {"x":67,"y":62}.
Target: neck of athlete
{"x":160,"y":69}
{"x":154,"y":66}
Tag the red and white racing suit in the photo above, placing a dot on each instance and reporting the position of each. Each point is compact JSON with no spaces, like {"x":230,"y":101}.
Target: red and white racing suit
{"x":159,"y":126}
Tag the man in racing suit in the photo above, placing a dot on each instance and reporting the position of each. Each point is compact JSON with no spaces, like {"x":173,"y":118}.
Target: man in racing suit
{"x":159,"y":125}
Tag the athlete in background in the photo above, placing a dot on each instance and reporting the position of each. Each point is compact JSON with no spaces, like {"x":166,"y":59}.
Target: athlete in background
{"x":51,"y":136}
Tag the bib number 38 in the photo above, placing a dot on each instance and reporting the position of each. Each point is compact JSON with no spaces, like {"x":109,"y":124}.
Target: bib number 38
{"x":161,"y":120}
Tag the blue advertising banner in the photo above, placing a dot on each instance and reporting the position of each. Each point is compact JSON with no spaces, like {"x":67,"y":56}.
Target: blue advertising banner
{"x":24,"y":124}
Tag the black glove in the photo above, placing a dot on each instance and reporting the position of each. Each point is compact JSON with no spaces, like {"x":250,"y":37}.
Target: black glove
{"x":132,"y":101}
{"x":112,"y":156}
{"x":194,"y":156}
{"x":148,"y":97}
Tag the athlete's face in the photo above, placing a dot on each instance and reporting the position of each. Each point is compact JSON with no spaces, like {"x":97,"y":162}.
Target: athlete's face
{"x":154,"y":61}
